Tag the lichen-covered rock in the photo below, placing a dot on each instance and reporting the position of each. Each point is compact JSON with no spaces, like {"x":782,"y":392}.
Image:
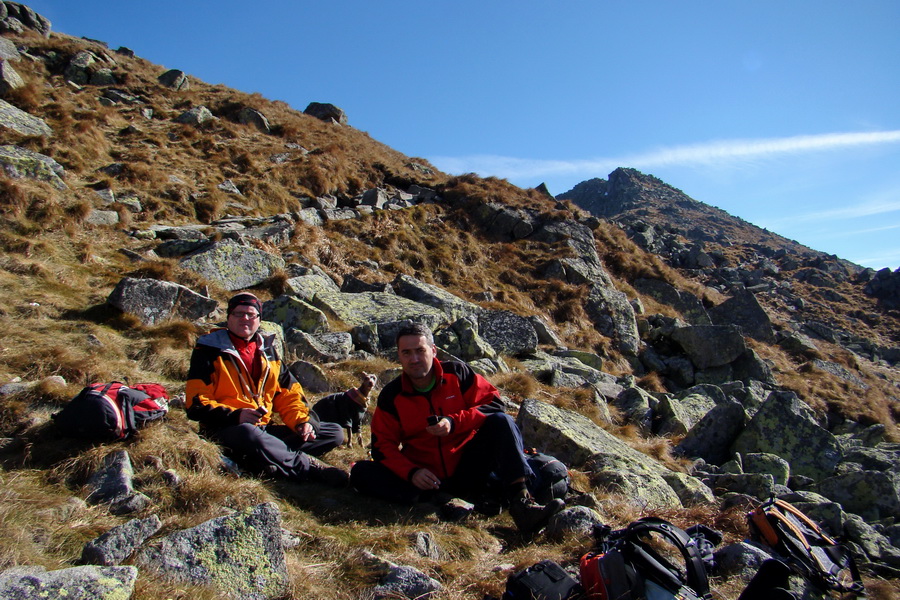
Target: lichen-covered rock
{"x":153,"y":301}
{"x":310,"y":283}
{"x":322,"y":347}
{"x":21,"y":163}
{"x":76,"y":583}
{"x":367,"y":308}
{"x":250,"y":116}
{"x":585,"y":266}
{"x":241,"y":555}
{"x":762,"y":462}
{"x":9,"y":78}
{"x":293,"y":313}
{"x":461,"y":339}
{"x":690,"y":490}
{"x":787,"y":427}
{"x":578,"y":442}
{"x":873,"y":495}
{"x":744,"y":310}
{"x":233,"y":266}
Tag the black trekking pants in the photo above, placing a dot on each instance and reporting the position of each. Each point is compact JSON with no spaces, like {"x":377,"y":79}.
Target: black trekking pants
{"x":276,"y":449}
{"x":494,"y":454}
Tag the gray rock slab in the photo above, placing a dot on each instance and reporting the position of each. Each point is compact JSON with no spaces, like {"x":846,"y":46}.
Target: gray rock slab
{"x":20,"y":163}
{"x":76,"y":583}
{"x":241,"y":555}
{"x":787,"y":427}
{"x":154,"y":301}
{"x":117,"y":544}
{"x":425,"y":293}
{"x":233,"y":266}
{"x":578,"y":442}
{"x":710,"y":345}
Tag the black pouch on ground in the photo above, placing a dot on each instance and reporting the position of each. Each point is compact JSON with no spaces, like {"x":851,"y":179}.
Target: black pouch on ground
{"x":544,"y":580}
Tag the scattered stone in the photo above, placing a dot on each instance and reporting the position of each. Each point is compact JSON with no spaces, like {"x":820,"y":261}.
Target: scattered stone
{"x":120,"y":542}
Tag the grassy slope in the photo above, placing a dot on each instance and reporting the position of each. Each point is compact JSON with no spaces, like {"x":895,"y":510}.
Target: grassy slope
{"x":56,"y":272}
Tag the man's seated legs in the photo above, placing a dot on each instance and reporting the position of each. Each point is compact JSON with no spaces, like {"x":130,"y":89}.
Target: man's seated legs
{"x":276,"y":450}
{"x":371,"y":478}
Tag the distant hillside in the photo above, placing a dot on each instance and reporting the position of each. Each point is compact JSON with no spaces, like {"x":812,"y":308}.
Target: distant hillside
{"x":628,"y":196}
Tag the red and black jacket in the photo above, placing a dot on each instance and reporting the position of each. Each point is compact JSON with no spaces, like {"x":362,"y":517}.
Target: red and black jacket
{"x":399,"y":439}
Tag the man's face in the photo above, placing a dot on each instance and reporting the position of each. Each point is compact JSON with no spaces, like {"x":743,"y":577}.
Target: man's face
{"x":243,"y":321}
{"x":416,"y":357}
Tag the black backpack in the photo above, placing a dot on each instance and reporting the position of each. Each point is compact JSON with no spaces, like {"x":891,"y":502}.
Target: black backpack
{"x":804,"y":547}
{"x":627,"y":567}
{"x":112,"y":411}
{"x":550,"y":479}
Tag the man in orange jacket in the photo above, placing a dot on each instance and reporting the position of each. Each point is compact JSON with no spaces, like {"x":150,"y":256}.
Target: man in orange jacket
{"x":440,"y":427}
{"x":235,"y":383}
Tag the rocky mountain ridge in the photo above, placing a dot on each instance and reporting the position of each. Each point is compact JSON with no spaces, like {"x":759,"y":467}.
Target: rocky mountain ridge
{"x":136,"y":199}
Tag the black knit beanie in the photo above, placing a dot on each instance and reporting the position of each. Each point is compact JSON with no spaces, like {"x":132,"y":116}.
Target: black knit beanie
{"x":244,"y":299}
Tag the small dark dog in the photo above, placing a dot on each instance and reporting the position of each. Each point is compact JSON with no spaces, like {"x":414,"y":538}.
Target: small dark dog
{"x":347,"y":409}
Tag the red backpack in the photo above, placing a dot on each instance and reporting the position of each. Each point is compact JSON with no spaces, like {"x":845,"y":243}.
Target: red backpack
{"x":112,"y":411}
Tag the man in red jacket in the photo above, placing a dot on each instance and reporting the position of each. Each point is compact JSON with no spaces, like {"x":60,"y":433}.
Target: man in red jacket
{"x":440,"y":427}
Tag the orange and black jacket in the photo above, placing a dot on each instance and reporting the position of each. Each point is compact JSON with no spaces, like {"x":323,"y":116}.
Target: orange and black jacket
{"x":219,"y":384}
{"x":399,"y":439}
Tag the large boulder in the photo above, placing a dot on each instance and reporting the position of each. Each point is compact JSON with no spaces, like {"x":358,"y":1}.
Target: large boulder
{"x":424,"y":293}
{"x":153,"y":301}
{"x":785,"y":426}
{"x":710,"y":345}
{"x":873,"y":495}
{"x":744,"y":310}
{"x":367,"y":308}
{"x":712,"y":436}
{"x":690,"y":307}
{"x":241,"y":555}
{"x":326,"y":112}
{"x":293,"y":313}
{"x":20,"y":163}
{"x":233,"y":266}
{"x":585,"y":266}
{"x":613,"y":316}
{"x":507,"y":332}
{"x":611,"y":464}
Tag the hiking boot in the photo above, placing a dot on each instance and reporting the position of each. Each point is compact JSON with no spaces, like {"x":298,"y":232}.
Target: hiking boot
{"x":322,"y":472}
{"x":531,"y":517}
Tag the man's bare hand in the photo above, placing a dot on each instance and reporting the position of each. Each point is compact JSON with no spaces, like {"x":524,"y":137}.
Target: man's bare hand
{"x":250,"y":415}
{"x":425,"y":480}
{"x":441,"y":428}
{"x":306,"y":431}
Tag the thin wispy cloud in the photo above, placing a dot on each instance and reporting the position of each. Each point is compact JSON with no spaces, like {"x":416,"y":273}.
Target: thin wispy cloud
{"x":726,"y":152}
{"x":883,"y":202}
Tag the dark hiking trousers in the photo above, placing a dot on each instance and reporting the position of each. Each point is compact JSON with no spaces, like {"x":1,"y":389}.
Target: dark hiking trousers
{"x":496,"y":452}
{"x":276,"y":449}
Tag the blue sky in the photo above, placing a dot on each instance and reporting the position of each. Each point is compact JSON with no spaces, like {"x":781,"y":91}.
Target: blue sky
{"x":786,"y":114}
